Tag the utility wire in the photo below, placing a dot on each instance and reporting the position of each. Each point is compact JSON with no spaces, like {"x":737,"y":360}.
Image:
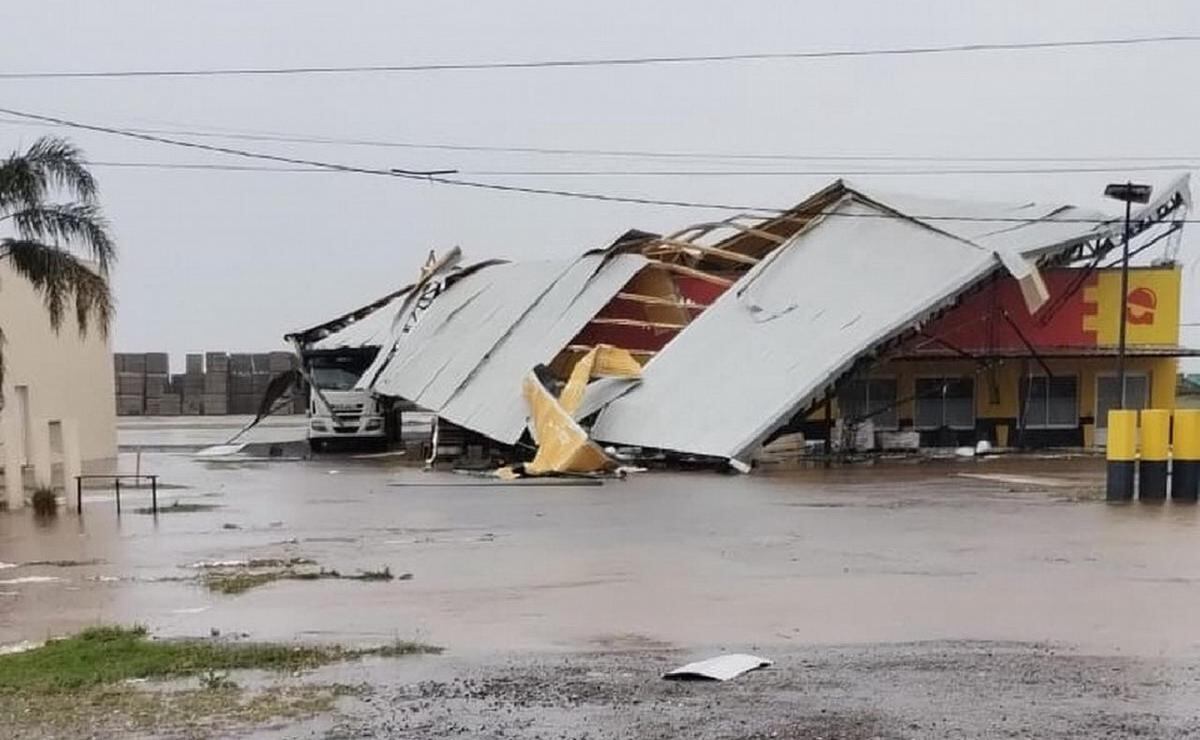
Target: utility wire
{"x":437,"y":176}
{"x":631,"y":153}
{"x":608,"y":62}
{"x":680,"y":173}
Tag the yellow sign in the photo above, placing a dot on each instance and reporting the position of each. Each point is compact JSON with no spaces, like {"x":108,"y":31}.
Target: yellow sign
{"x":1151,"y":306}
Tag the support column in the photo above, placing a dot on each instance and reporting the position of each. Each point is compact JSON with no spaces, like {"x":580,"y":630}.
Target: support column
{"x":1156,"y":448}
{"x":72,"y":458}
{"x":14,"y":473}
{"x":1122,"y":455}
{"x":39,"y":453}
{"x":1185,"y":465}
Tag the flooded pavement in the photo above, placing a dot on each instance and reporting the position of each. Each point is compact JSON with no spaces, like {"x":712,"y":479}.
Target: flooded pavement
{"x":938,"y":561}
{"x":888,"y":553}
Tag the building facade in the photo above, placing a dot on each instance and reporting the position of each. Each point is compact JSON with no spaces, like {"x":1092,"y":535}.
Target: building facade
{"x":988,"y":370}
{"x":59,"y":409}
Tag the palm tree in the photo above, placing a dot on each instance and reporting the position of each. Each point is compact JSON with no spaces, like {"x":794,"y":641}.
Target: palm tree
{"x":43,"y":234}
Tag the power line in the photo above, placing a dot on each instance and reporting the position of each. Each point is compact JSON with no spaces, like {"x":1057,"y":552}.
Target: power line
{"x":608,"y":62}
{"x":242,"y":135}
{"x":676,"y":173}
{"x":437,"y":176}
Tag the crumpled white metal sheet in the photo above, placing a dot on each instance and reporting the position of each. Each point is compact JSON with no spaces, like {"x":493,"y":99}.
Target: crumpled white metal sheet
{"x":777,"y":339}
{"x":720,"y":668}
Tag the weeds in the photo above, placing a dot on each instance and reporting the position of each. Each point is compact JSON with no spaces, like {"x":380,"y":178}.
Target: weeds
{"x":45,"y":502}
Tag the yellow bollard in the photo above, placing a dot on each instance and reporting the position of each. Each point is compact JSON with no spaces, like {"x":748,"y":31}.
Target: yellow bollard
{"x":1122,"y":454}
{"x":1185,"y":465}
{"x":1156,"y":449}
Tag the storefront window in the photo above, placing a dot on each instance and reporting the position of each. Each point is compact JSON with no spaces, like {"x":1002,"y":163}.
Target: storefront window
{"x":1050,"y":402}
{"x":945,"y":402}
{"x":872,"y":399}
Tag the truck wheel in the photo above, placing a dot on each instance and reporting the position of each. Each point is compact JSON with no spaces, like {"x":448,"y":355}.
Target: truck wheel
{"x":316,"y":445}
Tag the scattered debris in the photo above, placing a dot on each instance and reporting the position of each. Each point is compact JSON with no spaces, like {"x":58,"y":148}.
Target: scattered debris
{"x":563,"y":445}
{"x":240,"y":576}
{"x":62,"y":563}
{"x":720,"y":668}
{"x":497,"y":482}
{"x":253,"y":563}
{"x":31,"y":579}
{"x":1021,"y":480}
{"x":220,"y":450}
{"x":19,"y":647}
{"x":178,"y":507}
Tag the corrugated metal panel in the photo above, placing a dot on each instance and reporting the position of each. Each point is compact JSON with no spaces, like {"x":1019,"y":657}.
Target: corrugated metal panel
{"x":372,"y":330}
{"x":791,"y":326}
{"x":466,"y":355}
{"x":491,"y":402}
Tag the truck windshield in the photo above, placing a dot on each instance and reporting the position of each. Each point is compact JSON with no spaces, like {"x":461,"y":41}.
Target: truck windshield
{"x":334,"y":378}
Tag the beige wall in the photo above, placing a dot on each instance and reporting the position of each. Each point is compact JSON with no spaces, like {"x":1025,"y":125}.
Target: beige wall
{"x":68,"y":377}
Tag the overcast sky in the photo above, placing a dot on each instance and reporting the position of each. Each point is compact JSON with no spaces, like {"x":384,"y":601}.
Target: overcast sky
{"x":232,"y":260}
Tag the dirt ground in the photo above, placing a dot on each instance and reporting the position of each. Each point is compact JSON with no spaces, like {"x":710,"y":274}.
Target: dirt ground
{"x":959,"y":598}
{"x":915,"y":690}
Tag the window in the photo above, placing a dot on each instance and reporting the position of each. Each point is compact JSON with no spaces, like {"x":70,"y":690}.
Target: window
{"x":1050,"y":403}
{"x":945,"y":402}
{"x":871,"y":399}
{"x":1137,"y":395}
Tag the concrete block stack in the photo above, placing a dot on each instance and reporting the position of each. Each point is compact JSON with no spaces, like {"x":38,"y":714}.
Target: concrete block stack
{"x":192,"y":393}
{"x":157,"y":381}
{"x":130,"y":385}
{"x":241,"y":384}
{"x":216,"y":384}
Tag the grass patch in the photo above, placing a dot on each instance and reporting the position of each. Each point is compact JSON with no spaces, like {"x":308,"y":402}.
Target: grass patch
{"x":103,"y":656}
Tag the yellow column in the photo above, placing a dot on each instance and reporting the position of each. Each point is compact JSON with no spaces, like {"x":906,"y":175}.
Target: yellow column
{"x":1122,"y":454}
{"x":1185,"y":465}
{"x":1156,"y":448}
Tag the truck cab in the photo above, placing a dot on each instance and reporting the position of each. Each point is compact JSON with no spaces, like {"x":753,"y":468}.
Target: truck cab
{"x":351,"y":416}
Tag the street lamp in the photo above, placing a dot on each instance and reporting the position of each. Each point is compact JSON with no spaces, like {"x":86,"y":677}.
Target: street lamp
{"x":1130,"y":193}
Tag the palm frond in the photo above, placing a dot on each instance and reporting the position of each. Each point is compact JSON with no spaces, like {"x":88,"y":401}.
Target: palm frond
{"x":50,"y":163}
{"x":21,"y":185}
{"x":62,"y":279}
{"x":72,"y":223}
{"x":63,"y":166}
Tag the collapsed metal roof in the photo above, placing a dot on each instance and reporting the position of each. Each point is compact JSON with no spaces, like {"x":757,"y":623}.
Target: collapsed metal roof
{"x":853,"y":276}
{"x":465,"y":356}
{"x":759,"y":319}
{"x":368,"y":326}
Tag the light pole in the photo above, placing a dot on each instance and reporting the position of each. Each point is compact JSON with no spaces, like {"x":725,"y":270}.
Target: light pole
{"x":1130,"y":193}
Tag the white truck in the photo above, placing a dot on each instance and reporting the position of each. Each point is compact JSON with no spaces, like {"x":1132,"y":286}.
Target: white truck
{"x":338,"y":413}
